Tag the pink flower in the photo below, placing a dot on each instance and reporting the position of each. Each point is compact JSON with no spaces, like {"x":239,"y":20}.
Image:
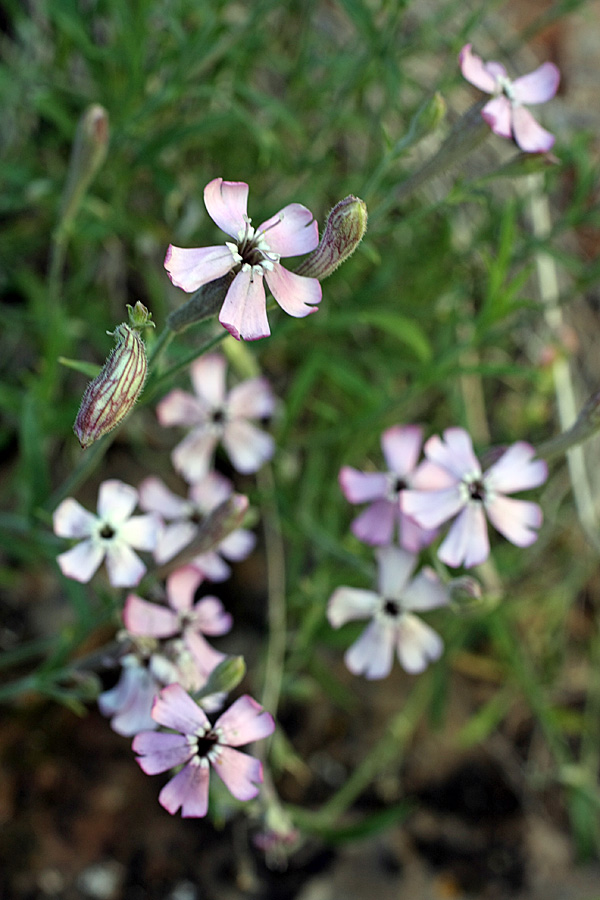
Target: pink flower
{"x":384,"y":491}
{"x":505,"y":113}
{"x":198,"y":743}
{"x":184,"y":617}
{"x":473,"y":494}
{"x":393,"y":625}
{"x":216,"y":416}
{"x":111,"y":535}
{"x":184,"y":518}
{"x":252,"y":255}
{"x":129,"y":703}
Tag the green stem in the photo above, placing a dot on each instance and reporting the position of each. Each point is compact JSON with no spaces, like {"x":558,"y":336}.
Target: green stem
{"x":275,"y":553}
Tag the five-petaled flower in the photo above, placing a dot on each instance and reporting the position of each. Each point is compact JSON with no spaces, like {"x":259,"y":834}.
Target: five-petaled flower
{"x":384,"y":491}
{"x":393,"y":625}
{"x":505,"y":113}
{"x":111,"y":535}
{"x":197,"y":743}
{"x":252,"y":255}
{"x":214,"y":416}
{"x":184,"y":518}
{"x":474,"y":494}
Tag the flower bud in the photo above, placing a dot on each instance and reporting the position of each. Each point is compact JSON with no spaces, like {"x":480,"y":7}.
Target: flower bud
{"x":345,"y":229}
{"x":89,"y":152}
{"x":224,"y":678}
{"x":112,"y":394}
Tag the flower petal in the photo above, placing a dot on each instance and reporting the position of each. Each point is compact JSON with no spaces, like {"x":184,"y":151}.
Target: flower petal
{"x":395,"y":568}
{"x":401,"y":445}
{"x":181,"y":408}
{"x":359,"y":487}
{"x":208,"y":378}
{"x":124,"y":567}
{"x":211,"y":566}
{"x":515,"y":519}
{"x":227,"y":204}
{"x":192,"y":457}
{"x":205,"y":656}
{"x":248,"y":447}
{"x":210,"y":491}
{"x":529,"y":134}
{"x":292,"y":231}
{"x":373,"y":653}
{"x":181,"y":587}
{"x":297,"y":295}
{"x":467,"y":541}
{"x":190,"y":268}
{"x":454,"y":453}
{"x":116,"y":501}
{"x":475,"y":70}
{"x":498,"y":114}
{"x":538,"y":86}
{"x":430,"y":508}
{"x":142,"y":532}
{"x":516,"y":470}
{"x":417,"y":644}
{"x":149,"y":619}
{"x":347,"y":604}
{"x":244,"y":310}
{"x":160,"y":752}
{"x":245,"y":721}
{"x":174,"y":708}
{"x":375,"y":525}
{"x":156,"y":497}
{"x":81,"y":562}
{"x":411,"y":536}
{"x":241,"y":774}
{"x":173,"y":539}
{"x":425,"y":591}
{"x":71,"y":520}
{"x":238,"y":545}
{"x":252,"y":399}
{"x":210,"y":617}
{"x":188,"y":790}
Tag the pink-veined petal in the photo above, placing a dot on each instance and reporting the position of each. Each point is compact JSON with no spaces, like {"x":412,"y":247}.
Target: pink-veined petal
{"x":360,"y":487}
{"x":188,"y":790}
{"x":174,"y":708}
{"x":401,"y":445}
{"x":210,"y":617}
{"x":515,"y":519}
{"x":142,"y":532}
{"x":467,"y":541}
{"x":375,"y":525}
{"x":155,"y":496}
{"x":192,"y":457}
{"x":248,"y":447}
{"x":208,"y":379}
{"x":238,"y":545}
{"x":297,"y":295}
{"x":227,"y":204}
{"x":529,"y":134}
{"x":516,"y":470}
{"x":424,"y":592}
{"x":475,"y":70}
{"x":190,"y":268}
{"x":181,"y":587}
{"x":173,"y":539}
{"x":124,"y":567}
{"x":454,"y":453}
{"x":116,"y":501}
{"x":395,"y":568}
{"x":181,"y":408}
{"x":417,"y":644}
{"x":538,"y":86}
{"x":82,"y":561}
{"x":292,"y":231}
{"x":159,"y":752}
{"x":373,"y":653}
{"x":71,"y":520}
{"x":245,"y":721}
{"x":430,"y":508}
{"x":244,"y":310}
{"x":252,"y":399}
{"x":498,"y":114}
{"x":347,"y":604}
{"x":241,"y":774}
{"x":149,"y":619}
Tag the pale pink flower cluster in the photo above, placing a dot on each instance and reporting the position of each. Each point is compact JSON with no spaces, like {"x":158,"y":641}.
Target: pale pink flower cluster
{"x":413,"y":499}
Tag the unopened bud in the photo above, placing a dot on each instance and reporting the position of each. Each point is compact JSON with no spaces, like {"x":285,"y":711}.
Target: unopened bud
{"x":465,"y":593}
{"x":110,"y":397}
{"x":345,"y":229}
{"x":206,"y":302}
{"x":89,"y":151}
{"x":139,"y":316}
{"x":224,"y":678}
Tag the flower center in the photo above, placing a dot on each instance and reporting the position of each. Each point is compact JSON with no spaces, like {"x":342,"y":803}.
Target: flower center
{"x":106,"y":532}
{"x":506,"y":86}
{"x":476,"y":489}
{"x":395,"y":485}
{"x":252,"y":250}
{"x":206,"y":745}
{"x":391,"y":608}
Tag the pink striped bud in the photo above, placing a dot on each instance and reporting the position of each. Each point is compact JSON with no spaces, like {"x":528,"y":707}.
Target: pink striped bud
{"x":112,"y":394}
